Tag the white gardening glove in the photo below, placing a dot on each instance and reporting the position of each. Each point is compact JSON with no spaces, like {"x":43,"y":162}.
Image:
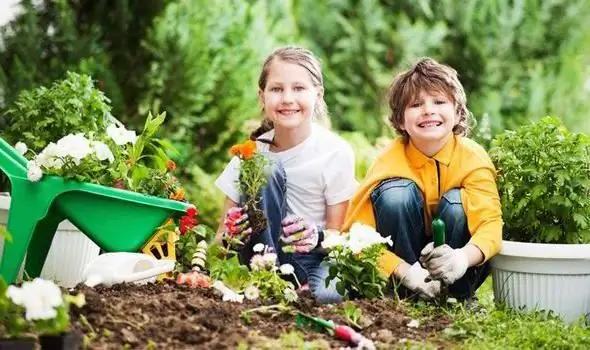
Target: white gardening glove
{"x":414,"y":279}
{"x":444,"y":263}
{"x":298,"y":236}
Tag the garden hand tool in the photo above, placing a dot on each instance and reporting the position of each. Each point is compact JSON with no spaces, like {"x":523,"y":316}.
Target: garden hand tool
{"x":339,"y":331}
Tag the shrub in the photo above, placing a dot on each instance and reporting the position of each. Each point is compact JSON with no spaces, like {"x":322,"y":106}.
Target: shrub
{"x":544,"y":183}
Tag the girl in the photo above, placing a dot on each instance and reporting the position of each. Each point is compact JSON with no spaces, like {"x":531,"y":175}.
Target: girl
{"x":313,"y":170}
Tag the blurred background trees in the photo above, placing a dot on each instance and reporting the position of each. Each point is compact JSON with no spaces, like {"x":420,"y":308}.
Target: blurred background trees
{"x":199,"y":60}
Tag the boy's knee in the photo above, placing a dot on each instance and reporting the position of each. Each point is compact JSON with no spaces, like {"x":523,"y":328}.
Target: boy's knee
{"x":451,"y":208}
{"x":393,"y":195}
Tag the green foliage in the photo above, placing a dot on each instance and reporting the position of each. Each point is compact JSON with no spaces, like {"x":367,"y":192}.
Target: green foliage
{"x":204,"y":74}
{"x":45,"y":114}
{"x":352,"y":313}
{"x":272,"y":287}
{"x":544,"y":183}
{"x":224,"y":265}
{"x":201,"y":191}
{"x":187,"y":245}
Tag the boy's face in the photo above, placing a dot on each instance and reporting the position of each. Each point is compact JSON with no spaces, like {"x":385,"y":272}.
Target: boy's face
{"x":430,"y":118}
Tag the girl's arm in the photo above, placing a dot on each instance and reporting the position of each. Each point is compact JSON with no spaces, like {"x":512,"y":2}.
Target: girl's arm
{"x":335,"y":215}
{"x":228,"y":204}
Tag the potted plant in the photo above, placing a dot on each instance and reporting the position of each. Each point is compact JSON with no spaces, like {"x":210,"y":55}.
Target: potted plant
{"x":544,"y":185}
{"x":39,"y":307}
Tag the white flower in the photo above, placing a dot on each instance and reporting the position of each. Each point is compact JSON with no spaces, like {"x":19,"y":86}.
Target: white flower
{"x":21,"y":148}
{"x":290,"y":295}
{"x":228,"y":294}
{"x":49,"y":157}
{"x":257,"y":263}
{"x":364,"y":236}
{"x":287,"y":269}
{"x":252,"y":293}
{"x":270,"y":260}
{"x":333,"y":239}
{"x":34,"y":172}
{"x":102,"y":151}
{"x":120,"y":135}
{"x":413,"y":324}
{"x":76,"y":146}
{"x":258,"y":248}
{"x":39,"y":298}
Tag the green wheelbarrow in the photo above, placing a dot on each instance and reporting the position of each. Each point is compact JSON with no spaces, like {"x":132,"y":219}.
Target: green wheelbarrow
{"x":116,"y":220}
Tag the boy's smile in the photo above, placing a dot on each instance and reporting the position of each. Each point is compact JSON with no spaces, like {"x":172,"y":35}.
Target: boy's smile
{"x":429,"y":121}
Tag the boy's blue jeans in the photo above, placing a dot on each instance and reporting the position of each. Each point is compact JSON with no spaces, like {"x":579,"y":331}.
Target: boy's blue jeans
{"x":308,"y":267}
{"x":398,"y":206}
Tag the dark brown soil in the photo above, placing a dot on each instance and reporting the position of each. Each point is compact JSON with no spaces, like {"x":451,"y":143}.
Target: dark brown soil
{"x":167,"y":316}
{"x":257,"y":219}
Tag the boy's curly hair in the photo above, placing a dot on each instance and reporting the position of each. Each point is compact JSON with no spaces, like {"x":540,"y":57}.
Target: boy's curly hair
{"x":428,"y":75}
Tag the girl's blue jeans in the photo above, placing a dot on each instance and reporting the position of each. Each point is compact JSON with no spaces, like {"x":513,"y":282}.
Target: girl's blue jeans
{"x":398,"y":206}
{"x":309,"y":267}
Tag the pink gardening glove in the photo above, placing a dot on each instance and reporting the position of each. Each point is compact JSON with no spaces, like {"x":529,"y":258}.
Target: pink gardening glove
{"x":237,"y":226}
{"x":298,"y":236}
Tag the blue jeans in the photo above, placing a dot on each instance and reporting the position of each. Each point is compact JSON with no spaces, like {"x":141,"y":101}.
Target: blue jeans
{"x":309,"y":267}
{"x":398,"y":206}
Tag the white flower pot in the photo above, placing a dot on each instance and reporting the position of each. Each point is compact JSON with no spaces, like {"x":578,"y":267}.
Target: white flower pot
{"x":68,"y":255}
{"x":550,"y":277}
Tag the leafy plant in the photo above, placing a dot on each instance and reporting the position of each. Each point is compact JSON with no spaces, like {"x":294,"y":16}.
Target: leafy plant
{"x":46,"y":114}
{"x":352,"y":313}
{"x":544,"y":182}
{"x":353,"y":258}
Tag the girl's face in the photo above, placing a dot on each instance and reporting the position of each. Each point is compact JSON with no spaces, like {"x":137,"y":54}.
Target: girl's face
{"x":289,"y":97}
{"x":430,"y":118}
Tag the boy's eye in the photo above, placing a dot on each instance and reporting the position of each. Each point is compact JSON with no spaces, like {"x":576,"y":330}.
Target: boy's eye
{"x":415,"y":104}
{"x":440,"y":102}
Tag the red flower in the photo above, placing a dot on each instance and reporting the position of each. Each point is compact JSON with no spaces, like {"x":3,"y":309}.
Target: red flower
{"x":192,"y":212}
{"x":187,"y":223}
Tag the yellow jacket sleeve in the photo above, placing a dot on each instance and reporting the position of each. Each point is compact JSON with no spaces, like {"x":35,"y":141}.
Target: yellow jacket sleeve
{"x":481,"y":203}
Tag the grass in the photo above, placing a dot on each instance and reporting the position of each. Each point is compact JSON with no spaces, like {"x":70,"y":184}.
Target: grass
{"x":497,"y":327}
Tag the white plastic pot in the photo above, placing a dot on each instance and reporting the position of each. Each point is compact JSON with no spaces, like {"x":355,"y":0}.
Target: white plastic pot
{"x":549,"y":277}
{"x":68,"y":255}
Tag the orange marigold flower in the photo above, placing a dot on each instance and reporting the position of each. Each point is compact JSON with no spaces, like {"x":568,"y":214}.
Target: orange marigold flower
{"x":177,"y":195}
{"x":248,"y":149}
{"x":170,"y":165}
{"x":235,"y":150}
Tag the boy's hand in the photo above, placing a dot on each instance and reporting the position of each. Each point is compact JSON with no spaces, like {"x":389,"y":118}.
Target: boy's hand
{"x":237,"y":227}
{"x":415,"y":280}
{"x":444,"y":263}
{"x":298,"y":236}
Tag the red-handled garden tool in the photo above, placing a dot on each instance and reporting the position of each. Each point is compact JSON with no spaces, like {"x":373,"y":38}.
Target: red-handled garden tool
{"x":339,"y":331}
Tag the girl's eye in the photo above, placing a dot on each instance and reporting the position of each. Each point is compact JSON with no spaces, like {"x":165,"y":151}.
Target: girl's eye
{"x":275,"y":89}
{"x":299,"y":88}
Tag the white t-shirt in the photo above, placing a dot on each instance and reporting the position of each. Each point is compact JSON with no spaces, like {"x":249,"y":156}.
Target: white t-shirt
{"x":320,"y":172}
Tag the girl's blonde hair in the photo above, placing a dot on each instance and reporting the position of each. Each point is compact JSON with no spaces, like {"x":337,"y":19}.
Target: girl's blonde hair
{"x":427,"y":75}
{"x":304,"y":58}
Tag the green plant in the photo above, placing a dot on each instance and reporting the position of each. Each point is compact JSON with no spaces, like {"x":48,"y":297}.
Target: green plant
{"x":46,"y":114}
{"x":543,"y":182}
{"x":352,"y":313}
{"x":353,"y":258}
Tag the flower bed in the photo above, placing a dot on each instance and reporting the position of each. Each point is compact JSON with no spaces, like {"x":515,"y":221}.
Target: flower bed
{"x":169,"y":316}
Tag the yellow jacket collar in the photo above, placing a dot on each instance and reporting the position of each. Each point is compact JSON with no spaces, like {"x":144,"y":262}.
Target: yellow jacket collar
{"x":419,"y":159}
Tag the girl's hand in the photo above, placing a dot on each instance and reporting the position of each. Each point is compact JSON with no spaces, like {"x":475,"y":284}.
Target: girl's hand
{"x":237,"y":228}
{"x":298,"y":236}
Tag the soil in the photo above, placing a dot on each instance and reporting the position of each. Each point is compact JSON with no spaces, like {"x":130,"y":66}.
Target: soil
{"x":257,"y":219}
{"x":168,"y":316}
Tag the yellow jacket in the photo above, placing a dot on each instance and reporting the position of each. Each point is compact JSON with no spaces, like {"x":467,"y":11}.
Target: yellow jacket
{"x":462,"y":164}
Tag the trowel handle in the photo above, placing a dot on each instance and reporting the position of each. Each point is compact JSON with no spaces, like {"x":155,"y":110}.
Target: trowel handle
{"x":438,"y":232}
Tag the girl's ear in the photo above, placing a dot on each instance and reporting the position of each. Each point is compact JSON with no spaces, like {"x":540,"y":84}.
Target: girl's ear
{"x":320,"y":92}
{"x":261,"y":97}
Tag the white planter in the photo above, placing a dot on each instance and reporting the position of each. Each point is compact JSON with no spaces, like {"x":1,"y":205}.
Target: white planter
{"x":536,"y":276}
{"x":68,"y":255}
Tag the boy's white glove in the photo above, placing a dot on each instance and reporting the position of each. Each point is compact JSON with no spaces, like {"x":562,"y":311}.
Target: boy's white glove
{"x":444,"y":263}
{"x":414,"y":279}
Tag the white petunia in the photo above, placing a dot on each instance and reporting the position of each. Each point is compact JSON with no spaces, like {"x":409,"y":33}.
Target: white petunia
{"x":258,"y":248}
{"x":120,"y":135}
{"x":257,"y":263}
{"x":39,"y":298}
{"x":76,"y":146}
{"x":102,"y":151}
{"x":34,"y":172}
{"x":287,"y":269}
{"x":270,"y":260}
{"x":49,"y":157}
{"x":21,"y":148}
{"x":333,"y":238}
{"x":252,"y":293}
{"x":364,"y":236}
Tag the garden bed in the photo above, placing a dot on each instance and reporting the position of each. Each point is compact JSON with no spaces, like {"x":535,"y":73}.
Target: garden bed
{"x":168,"y":316}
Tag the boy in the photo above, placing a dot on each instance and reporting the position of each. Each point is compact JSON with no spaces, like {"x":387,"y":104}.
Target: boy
{"x":432,"y":171}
